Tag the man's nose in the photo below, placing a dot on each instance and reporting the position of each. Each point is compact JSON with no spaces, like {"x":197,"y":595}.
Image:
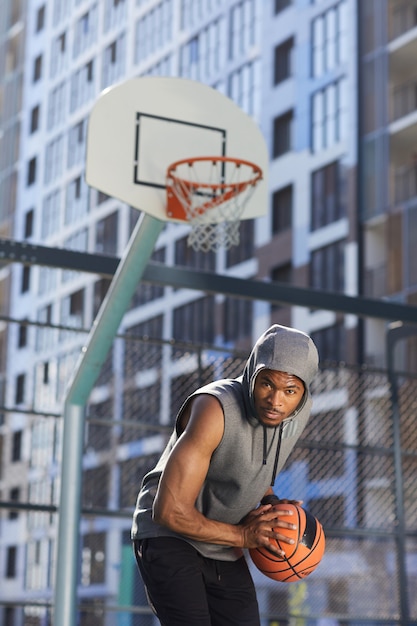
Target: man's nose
{"x":276,"y":398}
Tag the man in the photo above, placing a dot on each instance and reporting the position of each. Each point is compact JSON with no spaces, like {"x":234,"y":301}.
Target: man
{"x":210,"y":494}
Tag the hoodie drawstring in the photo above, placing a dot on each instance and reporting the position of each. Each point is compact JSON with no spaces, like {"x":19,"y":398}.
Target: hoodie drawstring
{"x":278,"y":449}
{"x":265,"y":452}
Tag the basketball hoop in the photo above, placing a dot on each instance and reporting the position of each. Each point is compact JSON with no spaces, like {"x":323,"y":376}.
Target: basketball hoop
{"x":211,"y":193}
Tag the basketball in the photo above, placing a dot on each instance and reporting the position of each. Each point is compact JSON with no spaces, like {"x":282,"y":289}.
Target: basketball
{"x":302,"y":557}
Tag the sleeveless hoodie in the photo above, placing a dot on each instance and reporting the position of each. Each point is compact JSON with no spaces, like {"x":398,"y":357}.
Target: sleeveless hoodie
{"x":250,"y":454}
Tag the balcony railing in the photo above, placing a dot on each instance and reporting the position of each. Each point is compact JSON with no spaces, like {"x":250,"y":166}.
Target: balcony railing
{"x":404,"y":99}
{"x":405,"y":183}
{"x":403,"y":18}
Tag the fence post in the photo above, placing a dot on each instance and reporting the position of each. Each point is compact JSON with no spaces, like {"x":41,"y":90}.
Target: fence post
{"x":396,"y":332}
{"x":93,"y":355}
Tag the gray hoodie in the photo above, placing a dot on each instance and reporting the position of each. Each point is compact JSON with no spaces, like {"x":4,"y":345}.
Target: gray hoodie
{"x":250,"y":454}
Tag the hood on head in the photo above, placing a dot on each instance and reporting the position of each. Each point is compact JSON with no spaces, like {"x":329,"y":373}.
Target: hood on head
{"x":281,"y":349}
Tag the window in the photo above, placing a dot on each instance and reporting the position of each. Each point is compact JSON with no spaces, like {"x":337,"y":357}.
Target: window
{"x":62,"y":42}
{"x":91,"y":495}
{"x":100,"y":289}
{"x":146,"y":292}
{"x":282,"y":200}
{"x":72,"y":311}
{"x":201,"y":56}
{"x":283,"y":61}
{"x":25,"y":286}
{"x":11,"y":562}
{"x":142,"y":403}
{"x":46,"y":375}
{"x":17,"y":446}
{"x":195,"y":321}
{"x":332,"y":512}
{"x":329,"y":110}
{"x":57,"y":105}
{"x":61,"y":9}
{"x":14,"y":496}
{"x":85,"y":31}
{"x":29,"y":217}
{"x":242,"y":28}
{"x":10,"y":613}
{"x":281,"y":274}
{"x":82,"y":86}
{"x":280,"y":5}
{"x":410,"y":238}
{"x":282,"y":139}
{"x":331,"y":343}
{"x":58,"y":54}
{"x":106,"y":234}
{"x":329,"y":40}
{"x":114,"y":61}
{"x":112,"y":49}
{"x":238,"y":314}
{"x":243,"y":87}
{"x":31,"y":171}
{"x":34,"y":119}
{"x":327,"y":195}
{"x":93,"y":553}
{"x":54,"y":159}
{"x":327,"y":267}
{"x":45,"y":337}
{"x":97,"y":434}
{"x":245,"y":249}
{"x":40,"y":19}
{"x":20,"y":389}
{"x":76,"y":200}
{"x":154,"y":30}
{"x":190,"y":66}
{"x":102,"y":197}
{"x":51,"y":213}
{"x":37,"y":68}
{"x":164,"y":67}
{"x":22,"y":337}
{"x":186,"y":256}
{"x":114,"y":14}
{"x":140,"y":356}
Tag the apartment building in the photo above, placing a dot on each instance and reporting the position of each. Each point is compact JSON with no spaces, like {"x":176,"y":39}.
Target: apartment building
{"x":387,"y":181}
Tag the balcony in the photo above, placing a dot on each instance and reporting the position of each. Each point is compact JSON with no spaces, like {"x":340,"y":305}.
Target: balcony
{"x":402,"y":17}
{"x":404,"y":99}
{"x":405,"y":184}
{"x":403,"y":151}
{"x":403,"y":77}
{"x":375,"y":282}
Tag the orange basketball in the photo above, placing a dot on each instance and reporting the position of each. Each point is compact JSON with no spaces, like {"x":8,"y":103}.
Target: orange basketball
{"x":302,"y":557}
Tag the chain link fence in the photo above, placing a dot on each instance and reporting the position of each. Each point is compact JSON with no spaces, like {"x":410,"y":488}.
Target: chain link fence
{"x":347,"y":468}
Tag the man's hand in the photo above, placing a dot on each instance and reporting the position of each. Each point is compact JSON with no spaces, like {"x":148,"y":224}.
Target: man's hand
{"x":261,"y":525}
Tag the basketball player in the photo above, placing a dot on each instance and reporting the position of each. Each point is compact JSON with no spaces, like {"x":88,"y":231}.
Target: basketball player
{"x":211,"y":493}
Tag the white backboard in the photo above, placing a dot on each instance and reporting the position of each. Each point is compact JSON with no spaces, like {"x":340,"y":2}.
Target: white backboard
{"x":138,"y":128}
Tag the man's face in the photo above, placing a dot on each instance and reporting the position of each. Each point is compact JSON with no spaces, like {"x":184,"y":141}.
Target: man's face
{"x":276,"y":396}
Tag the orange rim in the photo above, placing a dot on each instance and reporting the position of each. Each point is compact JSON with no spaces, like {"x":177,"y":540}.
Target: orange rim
{"x":240,"y":186}
{"x":228,"y":190}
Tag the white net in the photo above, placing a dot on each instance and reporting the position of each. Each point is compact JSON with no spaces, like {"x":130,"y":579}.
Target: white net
{"x":212,"y":193}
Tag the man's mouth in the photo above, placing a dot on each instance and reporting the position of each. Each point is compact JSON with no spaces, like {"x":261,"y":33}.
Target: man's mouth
{"x":272,"y":415}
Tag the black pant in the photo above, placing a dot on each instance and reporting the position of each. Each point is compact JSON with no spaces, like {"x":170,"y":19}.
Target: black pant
{"x":186,"y":589}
